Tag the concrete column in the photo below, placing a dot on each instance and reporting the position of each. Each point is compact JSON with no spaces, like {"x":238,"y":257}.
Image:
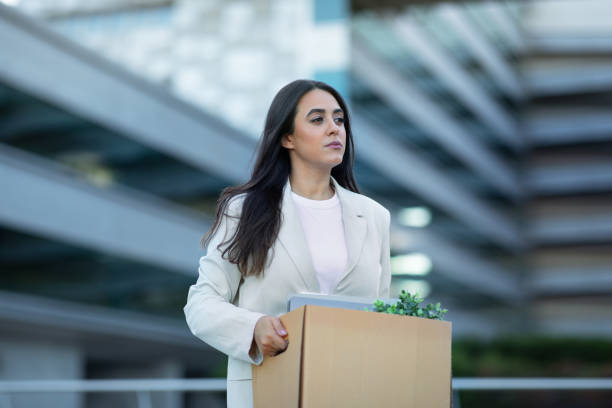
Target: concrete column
{"x":31,"y":360}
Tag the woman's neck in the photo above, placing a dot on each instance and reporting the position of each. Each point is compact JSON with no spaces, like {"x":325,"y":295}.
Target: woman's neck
{"x":315,"y":186}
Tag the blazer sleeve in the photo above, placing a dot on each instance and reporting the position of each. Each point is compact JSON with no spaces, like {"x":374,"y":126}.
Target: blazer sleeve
{"x":384,"y":286}
{"x":209,"y":312}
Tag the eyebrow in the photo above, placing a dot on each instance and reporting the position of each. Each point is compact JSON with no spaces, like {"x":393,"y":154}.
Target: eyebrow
{"x":319,"y":110}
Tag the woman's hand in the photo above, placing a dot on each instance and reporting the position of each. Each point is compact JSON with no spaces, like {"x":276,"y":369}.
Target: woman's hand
{"x":270,"y":336}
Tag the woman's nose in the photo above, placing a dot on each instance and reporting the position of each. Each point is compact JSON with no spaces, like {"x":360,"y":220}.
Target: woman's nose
{"x":334,"y":127}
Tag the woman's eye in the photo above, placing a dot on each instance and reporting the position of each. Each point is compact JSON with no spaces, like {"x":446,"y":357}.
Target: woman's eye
{"x":320,"y":119}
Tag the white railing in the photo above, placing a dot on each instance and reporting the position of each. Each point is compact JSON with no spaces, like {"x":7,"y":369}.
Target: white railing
{"x":118,"y":385}
{"x":500,"y":384}
{"x":141,"y":387}
{"x":144,"y":387}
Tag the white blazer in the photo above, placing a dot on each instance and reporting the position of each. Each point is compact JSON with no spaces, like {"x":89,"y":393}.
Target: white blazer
{"x":222,"y":308}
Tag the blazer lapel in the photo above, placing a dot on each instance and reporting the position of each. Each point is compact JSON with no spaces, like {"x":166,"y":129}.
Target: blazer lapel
{"x":355,"y":228}
{"x":293,"y":238}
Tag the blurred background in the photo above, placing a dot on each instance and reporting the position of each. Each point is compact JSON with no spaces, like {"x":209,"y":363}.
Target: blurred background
{"x":483,"y":126}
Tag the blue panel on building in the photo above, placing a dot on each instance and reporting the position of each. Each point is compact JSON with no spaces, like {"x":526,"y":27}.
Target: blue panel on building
{"x":337,"y":79}
{"x":330,"y":10}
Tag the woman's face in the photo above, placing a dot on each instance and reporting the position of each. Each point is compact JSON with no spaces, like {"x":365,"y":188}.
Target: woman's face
{"x":319,"y":137}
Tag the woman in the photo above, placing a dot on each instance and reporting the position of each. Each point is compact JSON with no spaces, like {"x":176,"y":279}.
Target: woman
{"x":298,"y":225}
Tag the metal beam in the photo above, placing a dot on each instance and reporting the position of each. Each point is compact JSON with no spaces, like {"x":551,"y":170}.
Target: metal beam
{"x":587,"y":326}
{"x":410,"y":171}
{"x":490,"y":59}
{"x":574,"y":317}
{"x":421,"y":110}
{"x":568,"y":44}
{"x":569,"y":178}
{"x":574,"y":77}
{"x":47,"y":199}
{"x":78,"y":318}
{"x":464,"y":86}
{"x":570,"y":230}
{"x":571,"y":280}
{"x":99,"y":91}
{"x":567,"y":125}
{"x":506,"y":25}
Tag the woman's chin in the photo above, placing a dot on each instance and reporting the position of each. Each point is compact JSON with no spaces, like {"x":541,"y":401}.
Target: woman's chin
{"x":329,"y":162}
{"x":337,"y":159}
{"x":337,"y":163}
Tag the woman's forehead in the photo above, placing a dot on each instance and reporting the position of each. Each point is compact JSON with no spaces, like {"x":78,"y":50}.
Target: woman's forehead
{"x":318,"y":98}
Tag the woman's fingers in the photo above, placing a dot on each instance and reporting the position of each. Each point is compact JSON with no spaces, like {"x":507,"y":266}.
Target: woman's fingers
{"x":280,"y":346}
{"x":277,"y":334}
{"x":267,"y":336}
{"x":280,"y":330}
{"x":278,"y":326}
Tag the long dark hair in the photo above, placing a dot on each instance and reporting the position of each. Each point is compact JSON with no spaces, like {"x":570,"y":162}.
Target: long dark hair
{"x":260,"y":218}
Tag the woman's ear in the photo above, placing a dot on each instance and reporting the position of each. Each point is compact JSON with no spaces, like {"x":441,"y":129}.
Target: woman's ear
{"x":287,"y":141}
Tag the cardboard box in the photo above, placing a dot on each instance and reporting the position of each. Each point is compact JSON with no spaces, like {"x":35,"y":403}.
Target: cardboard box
{"x":350,"y":358}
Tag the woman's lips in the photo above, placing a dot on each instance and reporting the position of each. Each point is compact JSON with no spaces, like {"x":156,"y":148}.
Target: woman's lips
{"x":335,"y":145}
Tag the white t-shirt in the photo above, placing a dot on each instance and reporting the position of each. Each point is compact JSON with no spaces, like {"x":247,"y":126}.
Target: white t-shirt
{"x":322,"y":224}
